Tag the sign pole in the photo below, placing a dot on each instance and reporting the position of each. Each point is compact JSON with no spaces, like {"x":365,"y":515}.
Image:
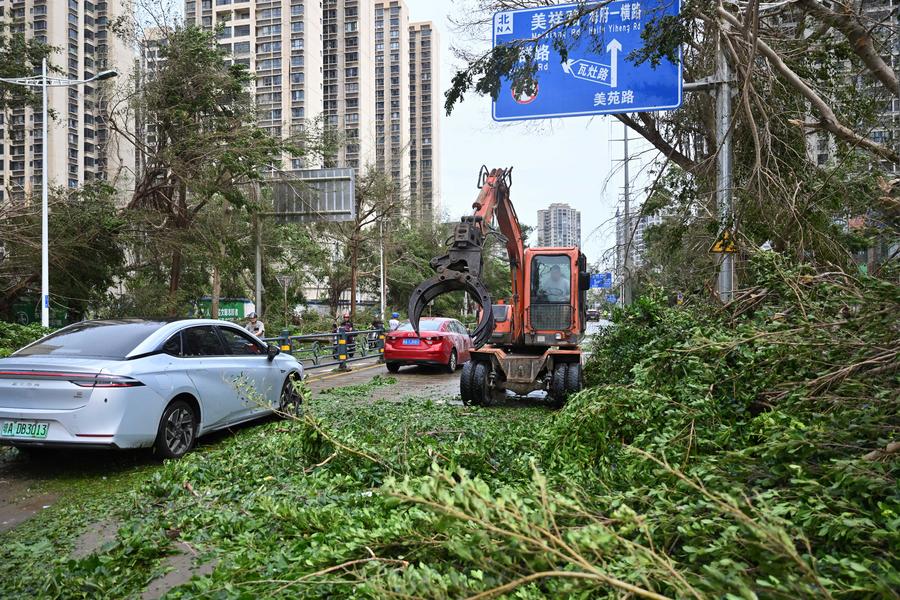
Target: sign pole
{"x":724,"y":170}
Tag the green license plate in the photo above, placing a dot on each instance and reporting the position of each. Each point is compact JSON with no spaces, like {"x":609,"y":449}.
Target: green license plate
{"x":25,"y":429}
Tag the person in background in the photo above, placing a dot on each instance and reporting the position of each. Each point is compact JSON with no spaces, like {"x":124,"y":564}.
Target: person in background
{"x":255,"y":326}
{"x":346,"y":326}
{"x":394,"y":323}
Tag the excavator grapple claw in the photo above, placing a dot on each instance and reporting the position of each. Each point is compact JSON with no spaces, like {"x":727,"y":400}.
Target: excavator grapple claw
{"x":452,"y":281}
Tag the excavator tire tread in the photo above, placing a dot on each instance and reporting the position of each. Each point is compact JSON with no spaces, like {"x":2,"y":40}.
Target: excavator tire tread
{"x":481,"y":392}
{"x":558,"y":390}
{"x":574,"y":381}
{"x":467,"y":383}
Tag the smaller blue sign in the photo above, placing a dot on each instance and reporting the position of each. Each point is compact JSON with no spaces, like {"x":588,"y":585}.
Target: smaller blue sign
{"x":612,"y":298}
{"x":601,"y":281}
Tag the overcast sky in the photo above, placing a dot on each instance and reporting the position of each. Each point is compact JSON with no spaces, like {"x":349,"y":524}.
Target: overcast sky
{"x":574,"y":160}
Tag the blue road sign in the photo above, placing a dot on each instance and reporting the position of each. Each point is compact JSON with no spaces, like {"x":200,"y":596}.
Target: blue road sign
{"x":601,"y":280}
{"x":612,"y":298}
{"x":597,"y":77}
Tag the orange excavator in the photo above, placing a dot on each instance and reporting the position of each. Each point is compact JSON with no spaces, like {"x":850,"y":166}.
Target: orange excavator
{"x":532,"y":342}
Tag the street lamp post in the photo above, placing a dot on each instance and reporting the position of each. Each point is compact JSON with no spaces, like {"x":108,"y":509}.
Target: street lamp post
{"x":44,"y":81}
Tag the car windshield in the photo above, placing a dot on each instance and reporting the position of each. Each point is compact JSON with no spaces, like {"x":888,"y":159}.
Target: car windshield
{"x":93,"y":339}
{"x":424,"y":325}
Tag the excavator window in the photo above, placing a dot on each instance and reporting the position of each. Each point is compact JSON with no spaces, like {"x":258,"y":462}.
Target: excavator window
{"x":500,"y":312}
{"x":551,"y":280}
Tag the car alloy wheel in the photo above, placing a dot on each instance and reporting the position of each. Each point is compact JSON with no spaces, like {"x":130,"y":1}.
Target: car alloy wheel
{"x":291,"y":401}
{"x":177,"y":430}
{"x":451,"y":364}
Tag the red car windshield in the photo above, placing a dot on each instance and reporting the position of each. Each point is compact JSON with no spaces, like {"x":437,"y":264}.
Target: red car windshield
{"x":424,"y":325}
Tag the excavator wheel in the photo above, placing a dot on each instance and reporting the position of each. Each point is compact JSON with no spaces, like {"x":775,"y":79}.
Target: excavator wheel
{"x":481,"y":384}
{"x":558,"y":391}
{"x":574,"y":379}
{"x":467,"y":383}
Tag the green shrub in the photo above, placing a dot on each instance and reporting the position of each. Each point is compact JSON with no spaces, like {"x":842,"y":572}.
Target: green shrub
{"x":13,"y":336}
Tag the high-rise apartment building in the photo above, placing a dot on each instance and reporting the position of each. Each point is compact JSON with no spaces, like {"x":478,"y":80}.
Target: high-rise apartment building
{"x":280,"y":41}
{"x":80,"y":146}
{"x":348,"y":38}
{"x":360,"y":65}
{"x":392,"y":79}
{"x":559,"y":225}
{"x":424,"y":120}
{"x":636,"y":232}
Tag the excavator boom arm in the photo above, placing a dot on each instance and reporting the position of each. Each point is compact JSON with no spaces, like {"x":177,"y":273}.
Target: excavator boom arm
{"x":461,"y":268}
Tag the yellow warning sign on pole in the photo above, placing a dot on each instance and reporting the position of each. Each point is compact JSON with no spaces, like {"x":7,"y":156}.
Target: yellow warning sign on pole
{"x":724,"y":244}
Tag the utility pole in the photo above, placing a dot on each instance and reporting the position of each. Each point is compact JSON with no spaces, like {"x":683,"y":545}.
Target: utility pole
{"x":724,"y":168}
{"x":257,"y":237}
{"x":383,"y":283}
{"x":626,"y":281}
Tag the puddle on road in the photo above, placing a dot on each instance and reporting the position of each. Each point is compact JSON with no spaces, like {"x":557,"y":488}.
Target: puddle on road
{"x":17,"y":505}
{"x":182,"y":569}
{"x":94,"y":538}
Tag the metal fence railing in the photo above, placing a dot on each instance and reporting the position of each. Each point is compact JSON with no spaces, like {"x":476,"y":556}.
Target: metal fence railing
{"x":337,"y":349}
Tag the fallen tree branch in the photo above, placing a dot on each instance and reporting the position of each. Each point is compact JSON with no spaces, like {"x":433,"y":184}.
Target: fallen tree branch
{"x":860,"y":40}
{"x":889,"y":450}
{"x":829,"y":120}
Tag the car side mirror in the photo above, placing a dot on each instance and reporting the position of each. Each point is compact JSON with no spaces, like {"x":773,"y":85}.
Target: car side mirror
{"x":272,"y":351}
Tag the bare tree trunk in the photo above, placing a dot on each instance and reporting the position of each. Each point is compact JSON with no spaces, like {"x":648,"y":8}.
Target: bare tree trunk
{"x":216,"y":292}
{"x":177,"y":257}
{"x":354,"y":272}
{"x":217,"y":282}
{"x":174,"y":278}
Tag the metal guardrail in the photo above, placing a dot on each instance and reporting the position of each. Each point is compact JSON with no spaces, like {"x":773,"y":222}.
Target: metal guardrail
{"x":336,"y":349}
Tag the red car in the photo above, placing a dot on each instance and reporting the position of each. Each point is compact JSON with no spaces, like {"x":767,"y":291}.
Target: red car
{"x":442,"y":342}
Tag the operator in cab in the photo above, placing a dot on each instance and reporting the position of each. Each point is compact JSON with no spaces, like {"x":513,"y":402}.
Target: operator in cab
{"x":554,"y":287}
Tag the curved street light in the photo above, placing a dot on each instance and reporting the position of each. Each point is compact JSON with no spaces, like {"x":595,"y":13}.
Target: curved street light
{"x":43,"y":81}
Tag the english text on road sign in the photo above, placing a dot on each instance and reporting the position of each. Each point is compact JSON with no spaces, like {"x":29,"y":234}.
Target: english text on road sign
{"x":724,"y":244}
{"x":596,"y":77}
{"x":601,"y":280}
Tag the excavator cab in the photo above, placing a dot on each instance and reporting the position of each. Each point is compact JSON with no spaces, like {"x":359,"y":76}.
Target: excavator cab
{"x":555,"y":288}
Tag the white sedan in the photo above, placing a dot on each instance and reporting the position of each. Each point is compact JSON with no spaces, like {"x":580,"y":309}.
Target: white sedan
{"x":134,"y":383}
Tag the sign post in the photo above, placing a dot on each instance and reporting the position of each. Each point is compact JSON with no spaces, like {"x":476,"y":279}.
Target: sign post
{"x":285,"y":281}
{"x":596,"y":78}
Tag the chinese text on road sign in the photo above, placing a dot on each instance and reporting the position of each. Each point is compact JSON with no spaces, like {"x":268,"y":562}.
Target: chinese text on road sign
{"x":597,"y":77}
{"x":601,"y":280}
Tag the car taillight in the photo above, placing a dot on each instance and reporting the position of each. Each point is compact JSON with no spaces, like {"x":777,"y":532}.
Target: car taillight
{"x":107,"y":381}
{"x":432,"y":339}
